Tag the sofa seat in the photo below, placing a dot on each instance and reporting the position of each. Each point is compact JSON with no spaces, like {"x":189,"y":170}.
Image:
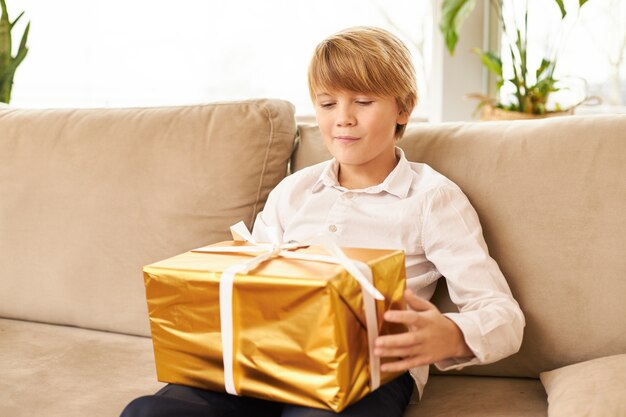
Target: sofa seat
{"x":68,"y":371}
{"x":61,"y":370}
{"x":479,"y":396}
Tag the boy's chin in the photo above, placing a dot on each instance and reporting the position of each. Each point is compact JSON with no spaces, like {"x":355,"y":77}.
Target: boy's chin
{"x":342,"y":155}
{"x":352,"y":160}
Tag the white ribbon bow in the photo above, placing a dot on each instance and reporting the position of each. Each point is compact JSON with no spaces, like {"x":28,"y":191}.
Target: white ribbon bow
{"x":359,"y":270}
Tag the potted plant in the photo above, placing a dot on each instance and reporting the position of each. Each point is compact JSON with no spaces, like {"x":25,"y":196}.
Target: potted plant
{"x":8,"y":62}
{"x":532,"y":85}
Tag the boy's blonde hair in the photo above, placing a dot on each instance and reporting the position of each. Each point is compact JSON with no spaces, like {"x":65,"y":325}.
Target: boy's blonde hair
{"x":365,"y":59}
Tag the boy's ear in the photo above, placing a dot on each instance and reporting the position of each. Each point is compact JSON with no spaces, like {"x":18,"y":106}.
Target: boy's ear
{"x":403,"y":118}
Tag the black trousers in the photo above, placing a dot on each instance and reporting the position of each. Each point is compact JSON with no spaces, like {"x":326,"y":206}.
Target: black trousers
{"x":389,"y":400}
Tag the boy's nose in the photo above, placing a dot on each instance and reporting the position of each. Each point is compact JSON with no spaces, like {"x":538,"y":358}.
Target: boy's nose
{"x":345,"y":117}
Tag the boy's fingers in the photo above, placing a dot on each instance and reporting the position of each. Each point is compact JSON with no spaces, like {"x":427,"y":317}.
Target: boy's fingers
{"x":417,"y":303}
{"x":399,"y":346}
{"x":407,"y":317}
{"x":407,"y":339}
{"x":403,"y":352}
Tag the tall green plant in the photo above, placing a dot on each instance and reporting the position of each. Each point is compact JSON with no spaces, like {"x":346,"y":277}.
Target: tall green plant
{"x":531,"y":93}
{"x":8,"y":62}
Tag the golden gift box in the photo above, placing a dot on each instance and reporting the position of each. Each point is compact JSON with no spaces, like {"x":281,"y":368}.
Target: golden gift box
{"x":299,"y":332}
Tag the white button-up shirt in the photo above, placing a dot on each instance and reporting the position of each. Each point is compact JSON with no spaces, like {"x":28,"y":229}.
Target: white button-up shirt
{"x":420,"y":211}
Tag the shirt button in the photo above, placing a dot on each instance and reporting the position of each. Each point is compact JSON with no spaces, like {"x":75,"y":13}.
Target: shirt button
{"x":332,"y":228}
{"x":348,"y":195}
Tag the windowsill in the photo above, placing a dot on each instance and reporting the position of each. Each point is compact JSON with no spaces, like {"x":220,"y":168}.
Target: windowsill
{"x":601,"y":109}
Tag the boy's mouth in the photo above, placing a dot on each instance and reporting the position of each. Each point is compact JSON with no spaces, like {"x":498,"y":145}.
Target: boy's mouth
{"x":346,"y":139}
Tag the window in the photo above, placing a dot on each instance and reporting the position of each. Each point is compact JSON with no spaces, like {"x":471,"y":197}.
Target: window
{"x":591,"y":48}
{"x":157,"y":52}
{"x":596,"y":51}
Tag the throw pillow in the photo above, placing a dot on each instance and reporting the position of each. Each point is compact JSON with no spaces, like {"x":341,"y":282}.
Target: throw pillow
{"x":593,"y":388}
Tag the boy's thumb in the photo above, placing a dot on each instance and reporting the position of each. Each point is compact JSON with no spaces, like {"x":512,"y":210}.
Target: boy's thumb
{"x":417,"y":303}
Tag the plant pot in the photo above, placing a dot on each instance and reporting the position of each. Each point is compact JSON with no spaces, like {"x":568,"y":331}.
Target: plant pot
{"x":489,"y":113}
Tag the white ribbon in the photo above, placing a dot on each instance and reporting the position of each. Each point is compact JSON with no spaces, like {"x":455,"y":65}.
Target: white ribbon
{"x":359,"y":270}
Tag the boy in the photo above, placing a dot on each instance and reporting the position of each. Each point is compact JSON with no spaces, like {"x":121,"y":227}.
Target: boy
{"x":362,"y":83}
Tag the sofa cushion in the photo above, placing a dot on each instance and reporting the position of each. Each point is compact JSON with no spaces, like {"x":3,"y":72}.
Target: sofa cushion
{"x":594,"y":388}
{"x":50,"y":370}
{"x":474,"y":396}
{"x":310,"y":148}
{"x":91,"y":196}
{"x":551,"y":197}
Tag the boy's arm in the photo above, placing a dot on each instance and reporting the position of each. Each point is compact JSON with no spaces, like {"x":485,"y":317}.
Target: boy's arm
{"x":489,"y":319}
{"x":269,"y":216}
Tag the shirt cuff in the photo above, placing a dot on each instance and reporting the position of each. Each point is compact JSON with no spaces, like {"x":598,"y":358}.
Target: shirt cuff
{"x":472,"y":336}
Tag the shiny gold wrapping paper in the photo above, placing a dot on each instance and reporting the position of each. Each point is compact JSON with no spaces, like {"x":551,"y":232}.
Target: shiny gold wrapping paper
{"x":299,"y":327}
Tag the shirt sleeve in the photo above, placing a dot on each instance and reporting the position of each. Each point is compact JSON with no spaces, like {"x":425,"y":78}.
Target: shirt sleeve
{"x":489,"y":317}
{"x":268,"y":221}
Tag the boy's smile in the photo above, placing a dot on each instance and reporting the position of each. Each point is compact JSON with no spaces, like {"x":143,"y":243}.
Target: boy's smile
{"x":346,"y":139}
{"x":359,"y":131}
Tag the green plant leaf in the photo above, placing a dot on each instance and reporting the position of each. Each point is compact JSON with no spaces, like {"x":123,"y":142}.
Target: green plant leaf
{"x":562,"y":7}
{"x":581,"y":3}
{"x":545,"y":64}
{"x":19,"y":58}
{"x":8,"y":63}
{"x":491,"y":61}
{"x":24,"y":38}
{"x":5,"y":37}
{"x":16,"y":19}
{"x":453,"y":14}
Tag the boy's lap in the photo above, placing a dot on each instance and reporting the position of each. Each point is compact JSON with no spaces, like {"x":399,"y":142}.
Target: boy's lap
{"x":174,"y":400}
{"x":390,"y":400}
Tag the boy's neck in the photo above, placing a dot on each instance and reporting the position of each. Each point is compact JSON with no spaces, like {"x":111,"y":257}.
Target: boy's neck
{"x":357,"y":177}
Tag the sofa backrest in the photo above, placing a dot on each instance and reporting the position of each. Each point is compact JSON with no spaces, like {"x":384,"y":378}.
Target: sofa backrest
{"x":88,"y":197}
{"x":551,"y":196}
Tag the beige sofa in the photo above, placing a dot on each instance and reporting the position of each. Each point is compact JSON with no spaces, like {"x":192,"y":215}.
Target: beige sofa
{"x":89,"y":196}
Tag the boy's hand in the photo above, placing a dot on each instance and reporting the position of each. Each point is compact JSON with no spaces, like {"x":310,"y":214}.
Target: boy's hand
{"x":431,"y":337}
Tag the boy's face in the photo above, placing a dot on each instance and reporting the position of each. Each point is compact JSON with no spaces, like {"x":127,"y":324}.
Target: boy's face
{"x":358,"y":128}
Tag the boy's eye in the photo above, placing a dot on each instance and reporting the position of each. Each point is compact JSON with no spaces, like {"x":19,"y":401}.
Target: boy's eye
{"x":326,"y":105}
{"x":364,"y":102}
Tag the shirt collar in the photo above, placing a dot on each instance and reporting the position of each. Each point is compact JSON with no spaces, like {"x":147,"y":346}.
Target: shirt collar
{"x":398,"y":182}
